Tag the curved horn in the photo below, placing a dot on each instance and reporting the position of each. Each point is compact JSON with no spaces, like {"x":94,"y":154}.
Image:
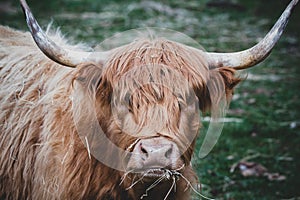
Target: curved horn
{"x":249,"y":57}
{"x":52,"y":50}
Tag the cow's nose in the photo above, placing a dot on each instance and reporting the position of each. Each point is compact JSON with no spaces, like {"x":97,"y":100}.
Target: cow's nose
{"x":154,"y":153}
{"x":151,"y":153}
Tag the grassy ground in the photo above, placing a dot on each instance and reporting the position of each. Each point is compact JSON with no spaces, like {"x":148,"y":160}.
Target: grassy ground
{"x":267,"y":103}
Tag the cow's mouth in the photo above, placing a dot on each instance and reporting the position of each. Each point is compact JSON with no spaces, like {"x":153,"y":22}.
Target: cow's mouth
{"x":157,"y":173}
{"x":151,"y":173}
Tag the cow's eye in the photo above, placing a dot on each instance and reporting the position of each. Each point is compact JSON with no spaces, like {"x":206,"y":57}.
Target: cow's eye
{"x":179,"y":106}
{"x":97,"y":83}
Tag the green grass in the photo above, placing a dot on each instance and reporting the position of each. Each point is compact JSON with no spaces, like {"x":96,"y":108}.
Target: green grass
{"x":269,"y":108}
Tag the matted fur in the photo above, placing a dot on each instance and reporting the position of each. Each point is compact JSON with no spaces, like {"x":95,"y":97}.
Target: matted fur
{"x":42,"y":156}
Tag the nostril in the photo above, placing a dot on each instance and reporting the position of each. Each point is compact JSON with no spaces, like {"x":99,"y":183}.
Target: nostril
{"x":169,"y":152}
{"x":143,"y":150}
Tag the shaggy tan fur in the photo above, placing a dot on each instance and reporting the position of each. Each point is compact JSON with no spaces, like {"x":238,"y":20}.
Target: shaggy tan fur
{"x":41,"y":154}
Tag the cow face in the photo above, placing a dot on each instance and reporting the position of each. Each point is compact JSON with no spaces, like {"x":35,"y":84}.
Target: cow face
{"x":153,"y":105}
{"x":158,"y":120}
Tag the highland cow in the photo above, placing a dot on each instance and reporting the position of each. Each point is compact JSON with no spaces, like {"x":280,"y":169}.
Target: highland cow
{"x":143,"y":96}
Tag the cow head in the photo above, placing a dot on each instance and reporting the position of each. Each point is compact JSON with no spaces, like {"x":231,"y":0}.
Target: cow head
{"x":146,"y":96}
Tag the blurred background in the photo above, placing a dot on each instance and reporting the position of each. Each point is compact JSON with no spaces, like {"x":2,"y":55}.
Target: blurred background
{"x":257,"y":156}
